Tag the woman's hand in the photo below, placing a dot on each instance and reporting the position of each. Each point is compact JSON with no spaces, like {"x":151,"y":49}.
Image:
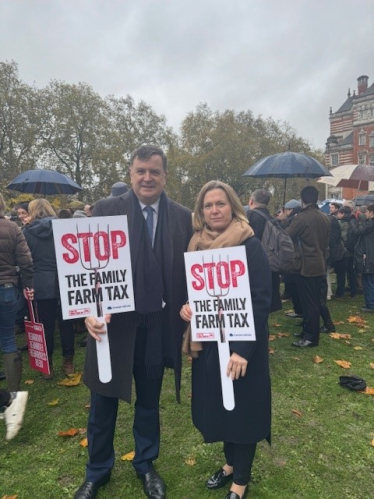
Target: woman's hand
{"x":237,"y":366}
{"x":96,"y":328}
{"x":186,"y":313}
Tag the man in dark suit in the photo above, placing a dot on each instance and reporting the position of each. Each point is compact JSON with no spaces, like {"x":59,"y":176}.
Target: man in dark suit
{"x":143,"y":343}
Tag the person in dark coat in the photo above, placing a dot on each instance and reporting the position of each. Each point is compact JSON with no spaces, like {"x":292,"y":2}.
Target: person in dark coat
{"x":39,"y":236}
{"x":219,"y":221}
{"x":259,"y":200}
{"x":310,"y":230}
{"x":144,"y":342}
{"x":364,"y":256}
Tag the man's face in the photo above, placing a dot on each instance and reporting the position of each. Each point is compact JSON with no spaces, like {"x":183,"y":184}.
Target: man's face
{"x":369,"y":214}
{"x":333,"y":209}
{"x":148,"y":179}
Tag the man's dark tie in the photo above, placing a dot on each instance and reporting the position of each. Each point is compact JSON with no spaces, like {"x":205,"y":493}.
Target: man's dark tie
{"x":149,"y":220}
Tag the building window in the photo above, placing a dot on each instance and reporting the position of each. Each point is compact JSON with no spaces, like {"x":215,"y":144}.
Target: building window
{"x":334,"y":159}
{"x":362,"y":158}
{"x":372,"y":159}
{"x":372,"y":141}
{"x":362,"y":139}
{"x":361,"y":114}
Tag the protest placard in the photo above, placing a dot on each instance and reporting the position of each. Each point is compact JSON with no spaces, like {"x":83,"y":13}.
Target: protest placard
{"x":220,"y":298}
{"x":94,"y":273}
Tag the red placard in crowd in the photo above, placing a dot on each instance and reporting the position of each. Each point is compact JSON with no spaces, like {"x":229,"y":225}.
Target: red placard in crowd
{"x":37,"y":348}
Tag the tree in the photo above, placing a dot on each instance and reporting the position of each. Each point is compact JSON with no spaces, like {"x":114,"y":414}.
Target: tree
{"x":19,"y":123}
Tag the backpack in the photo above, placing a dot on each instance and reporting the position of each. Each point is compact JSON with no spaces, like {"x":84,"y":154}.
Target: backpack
{"x":278,"y":245}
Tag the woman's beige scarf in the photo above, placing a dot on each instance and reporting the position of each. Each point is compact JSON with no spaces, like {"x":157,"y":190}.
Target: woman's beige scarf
{"x":234,"y":235}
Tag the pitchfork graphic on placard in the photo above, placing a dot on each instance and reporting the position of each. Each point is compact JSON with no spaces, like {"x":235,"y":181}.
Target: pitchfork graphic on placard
{"x":223,"y":346}
{"x":86,"y":256}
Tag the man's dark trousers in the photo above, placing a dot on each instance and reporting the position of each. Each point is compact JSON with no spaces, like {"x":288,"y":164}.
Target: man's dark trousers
{"x":146,"y":428}
{"x":309,"y":289}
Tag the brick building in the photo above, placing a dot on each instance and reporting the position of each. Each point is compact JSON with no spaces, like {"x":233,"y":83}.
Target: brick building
{"x":351,"y":139}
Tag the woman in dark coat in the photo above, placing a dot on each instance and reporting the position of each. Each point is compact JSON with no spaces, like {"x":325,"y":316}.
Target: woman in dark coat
{"x":219,"y":221}
{"x":39,"y":236}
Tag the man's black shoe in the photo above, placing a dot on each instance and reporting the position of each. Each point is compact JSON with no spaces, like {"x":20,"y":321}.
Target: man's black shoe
{"x":153,"y":485}
{"x":328,"y":329}
{"x":218,"y":480}
{"x":303,"y":344}
{"x":88,"y":489}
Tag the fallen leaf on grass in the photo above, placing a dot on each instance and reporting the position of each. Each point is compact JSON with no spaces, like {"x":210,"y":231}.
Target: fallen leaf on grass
{"x":83,"y":442}
{"x":68,"y":433}
{"x":271,"y":351}
{"x":129,"y":456}
{"x":339,"y":322}
{"x":371,"y":365}
{"x":87,"y":406}
{"x":10,"y":497}
{"x":272,"y":337}
{"x":296,"y":358}
{"x":54,"y":402}
{"x":29,"y":382}
{"x":372,"y":443}
{"x":282,"y":335}
{"x":347,"y":342}
{"x":360,"y":330}
{"x":368,"y":391}
{"x":356,"y":319}
{"x":317,"y":359}
{"x":357,"y":348}
{"x":73,"y":380}
{"x":340,"y":336}
{"x":296,"y":412}
{"x":190,"y":461}
{"x":343,"y":363}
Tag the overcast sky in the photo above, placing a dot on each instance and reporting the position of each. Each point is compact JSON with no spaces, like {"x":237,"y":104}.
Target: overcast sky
{"x":289,"y":59}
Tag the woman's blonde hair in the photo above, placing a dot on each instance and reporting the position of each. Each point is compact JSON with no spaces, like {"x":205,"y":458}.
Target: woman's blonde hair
{"x":233,"y":199}
{"x":40,"y":208}
{"x":2,"y":206}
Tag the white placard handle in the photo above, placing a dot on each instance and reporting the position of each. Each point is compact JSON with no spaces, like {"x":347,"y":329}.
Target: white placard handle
{"x":226,"y":381}
{"x":103,"y":355}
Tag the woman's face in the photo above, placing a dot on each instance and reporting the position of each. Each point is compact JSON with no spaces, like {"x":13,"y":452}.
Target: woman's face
{"x":217,"y":211}
{"x":22,"y":215}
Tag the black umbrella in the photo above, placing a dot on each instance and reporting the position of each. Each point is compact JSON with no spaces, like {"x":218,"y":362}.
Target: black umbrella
{"x":45,"y":182}
{"x":364,"y":200}
{"x":287,"y":165}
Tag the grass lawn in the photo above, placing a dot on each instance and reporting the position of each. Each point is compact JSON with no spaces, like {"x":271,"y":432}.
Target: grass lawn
{"x":323,"y":435}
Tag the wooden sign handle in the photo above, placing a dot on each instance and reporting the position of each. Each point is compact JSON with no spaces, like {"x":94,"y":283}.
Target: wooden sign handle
{"x":103,"y":355}
{"x":226,"y":381}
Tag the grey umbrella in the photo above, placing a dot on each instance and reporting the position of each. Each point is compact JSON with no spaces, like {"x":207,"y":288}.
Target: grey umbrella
{"x":287,"y":165}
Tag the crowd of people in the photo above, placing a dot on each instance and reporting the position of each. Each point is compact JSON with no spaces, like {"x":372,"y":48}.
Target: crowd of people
{"x":161,"y":231}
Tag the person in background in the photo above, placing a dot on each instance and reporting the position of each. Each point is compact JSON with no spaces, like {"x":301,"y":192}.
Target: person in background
{"x":12,"y":409}
{"x":23,"y":213}
{"x":334,"y":208}
{"x":118,"y":189}
{"x":364,"y":256}
{"x":310,"y":231}
{"x":39,"y":237}
{"x":148,"y":340}
{"x":259,"y":201}
{"x":88,"y":208}
{"x":219,"y":222}
{"x":345,"y":217}
{"x":64,"y":213}
{"x":13,"y":252}
{"x":75,"y":205}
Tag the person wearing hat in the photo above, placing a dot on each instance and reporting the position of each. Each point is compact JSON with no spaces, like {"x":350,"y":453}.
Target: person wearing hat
{"x":75,"y":205}
{"x":118,"y":189}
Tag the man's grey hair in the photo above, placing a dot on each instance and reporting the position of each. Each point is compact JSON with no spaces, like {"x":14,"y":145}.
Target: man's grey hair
{"x":261,"y":196}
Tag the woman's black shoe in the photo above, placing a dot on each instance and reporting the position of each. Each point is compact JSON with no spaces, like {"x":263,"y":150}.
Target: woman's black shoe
{"x":218,"y":480}
{"x":234,"y":495}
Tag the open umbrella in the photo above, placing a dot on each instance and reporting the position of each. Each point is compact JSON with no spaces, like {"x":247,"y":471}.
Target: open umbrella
{"x":45,"y":182}
{"x":364,"y":200}
{"x":360,"y":177}
{"x":287,"y":165}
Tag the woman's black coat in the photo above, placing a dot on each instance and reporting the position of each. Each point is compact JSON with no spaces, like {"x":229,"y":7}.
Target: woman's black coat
{"x":250,"y":420}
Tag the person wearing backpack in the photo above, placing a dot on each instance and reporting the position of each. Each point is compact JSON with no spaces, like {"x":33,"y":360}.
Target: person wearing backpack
{"x":310,"y":230}
{"x":257,"y":215}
